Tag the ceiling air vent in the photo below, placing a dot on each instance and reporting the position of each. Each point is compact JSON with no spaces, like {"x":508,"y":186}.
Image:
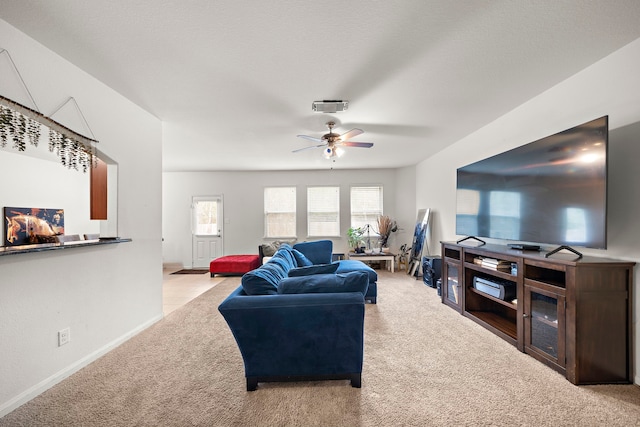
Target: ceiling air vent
{"x":329,"y":106}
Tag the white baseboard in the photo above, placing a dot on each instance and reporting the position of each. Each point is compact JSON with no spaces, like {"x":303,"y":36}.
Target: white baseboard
{"x":54,"y":379}
{"x":172,"y":266}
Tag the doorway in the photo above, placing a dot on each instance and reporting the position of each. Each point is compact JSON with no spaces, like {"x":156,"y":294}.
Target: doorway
{"x":207,"y":221}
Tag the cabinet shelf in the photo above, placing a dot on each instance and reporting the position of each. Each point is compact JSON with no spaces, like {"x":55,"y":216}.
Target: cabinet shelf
{"x":497,"y":321}
{"x":508,"y":304}
{"x":491,"y":272}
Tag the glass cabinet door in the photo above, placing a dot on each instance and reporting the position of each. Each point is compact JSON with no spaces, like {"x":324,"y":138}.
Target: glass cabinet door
{"x":451,"y":286}
{"x":544,"y":324}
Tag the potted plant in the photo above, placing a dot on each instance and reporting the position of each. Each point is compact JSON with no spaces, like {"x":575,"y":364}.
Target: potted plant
{"x":354,"y":237}
{"x":386,"y":226}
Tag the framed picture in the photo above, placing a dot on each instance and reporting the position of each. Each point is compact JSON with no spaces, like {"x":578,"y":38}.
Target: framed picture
{"x":25,"y":226}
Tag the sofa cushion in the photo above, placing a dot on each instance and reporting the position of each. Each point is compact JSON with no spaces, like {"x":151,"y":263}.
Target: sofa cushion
{"x":313,"y":269}
{"x":263,"y":280}
{"x":348,"y":265}
{"x":301,"y":260}
{"x":325,"y":283}
{"x":318,"y":251}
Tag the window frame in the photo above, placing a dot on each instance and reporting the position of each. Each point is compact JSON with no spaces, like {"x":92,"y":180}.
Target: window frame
{"x":374,"y":216}
{"x":266,"y":212}
{"x":336,"y":232}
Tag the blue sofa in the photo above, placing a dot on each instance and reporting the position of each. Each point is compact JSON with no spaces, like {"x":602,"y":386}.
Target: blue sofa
{"x":299,"y":318}
{"x":321,"y":251}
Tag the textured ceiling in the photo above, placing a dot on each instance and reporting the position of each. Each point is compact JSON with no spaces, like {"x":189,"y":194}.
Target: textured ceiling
{"x":233,"y":80}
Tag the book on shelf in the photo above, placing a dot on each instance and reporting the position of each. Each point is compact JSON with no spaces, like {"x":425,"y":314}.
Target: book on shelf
{"x":505,"y":268}
{"x":495,"y":264}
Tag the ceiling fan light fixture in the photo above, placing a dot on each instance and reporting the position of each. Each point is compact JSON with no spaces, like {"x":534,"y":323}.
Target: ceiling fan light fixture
{"x":332,"y":143}
{"x":328,"y":153}
{"x":333,"y":151}
{"x":329,"y":106}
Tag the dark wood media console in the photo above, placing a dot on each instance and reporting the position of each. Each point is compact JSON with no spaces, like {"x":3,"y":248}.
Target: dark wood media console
{"x":572,"y":314}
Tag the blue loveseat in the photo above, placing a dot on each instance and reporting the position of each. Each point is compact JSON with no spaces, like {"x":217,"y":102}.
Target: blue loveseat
{"x":298,"y":317}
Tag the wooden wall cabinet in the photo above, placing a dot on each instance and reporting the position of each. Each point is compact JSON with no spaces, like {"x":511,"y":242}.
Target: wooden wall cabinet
{"x":98,"y":190}
{"x":572,"y":314}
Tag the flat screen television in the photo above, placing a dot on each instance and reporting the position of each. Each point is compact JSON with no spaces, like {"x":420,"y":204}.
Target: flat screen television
{"x":550,"y":191}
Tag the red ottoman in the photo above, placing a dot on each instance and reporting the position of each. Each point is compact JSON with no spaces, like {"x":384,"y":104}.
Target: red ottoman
{"x":234,"y":264}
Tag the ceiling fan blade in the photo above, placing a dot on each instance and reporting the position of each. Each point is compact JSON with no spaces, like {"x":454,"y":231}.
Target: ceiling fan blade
{"x":306,"y":148}
{"x":350,"y":134}
{"x":357,"y":144}
{"x":310,"y":138}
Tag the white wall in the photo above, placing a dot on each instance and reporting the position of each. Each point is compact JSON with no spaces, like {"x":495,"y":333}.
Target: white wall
{"x":609,"y":87}
{"x":49,"y":185}
{"x":104,"y":294}
{"x":244,"y":208}
{"x":406,"y":207}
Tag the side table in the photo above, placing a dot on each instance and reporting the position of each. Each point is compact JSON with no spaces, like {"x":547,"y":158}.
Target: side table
{"x":388,"y":258}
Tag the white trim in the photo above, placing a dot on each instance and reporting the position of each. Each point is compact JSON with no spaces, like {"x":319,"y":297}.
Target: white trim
{"x":54,"y":379}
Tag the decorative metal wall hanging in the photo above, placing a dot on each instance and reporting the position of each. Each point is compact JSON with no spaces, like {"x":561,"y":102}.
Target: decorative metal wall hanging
{"x":20,"y":125}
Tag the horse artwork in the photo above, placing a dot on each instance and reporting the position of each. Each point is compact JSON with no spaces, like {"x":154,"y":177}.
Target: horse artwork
{"x":26,"y":226}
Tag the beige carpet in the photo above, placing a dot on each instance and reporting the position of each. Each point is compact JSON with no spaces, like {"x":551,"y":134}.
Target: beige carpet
{"x":424,"y":365}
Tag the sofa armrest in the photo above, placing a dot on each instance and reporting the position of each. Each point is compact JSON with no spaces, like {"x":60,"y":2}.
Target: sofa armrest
{"x":297,"y":334}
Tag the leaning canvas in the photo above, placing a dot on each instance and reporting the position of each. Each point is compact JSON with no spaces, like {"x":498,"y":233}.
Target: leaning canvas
{"x":25,"y":226}
{"x":421,"y":231}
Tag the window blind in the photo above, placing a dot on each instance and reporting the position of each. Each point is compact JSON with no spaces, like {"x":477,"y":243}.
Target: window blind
{"x":323,"y":211}
{"x":280,"y":211}
{"x":366,"y":205}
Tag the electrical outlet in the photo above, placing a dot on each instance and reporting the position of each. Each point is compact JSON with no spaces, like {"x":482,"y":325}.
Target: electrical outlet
{"x":64,"y":336}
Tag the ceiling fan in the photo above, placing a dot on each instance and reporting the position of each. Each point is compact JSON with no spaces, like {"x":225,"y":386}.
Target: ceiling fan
{"x":333,"y":143}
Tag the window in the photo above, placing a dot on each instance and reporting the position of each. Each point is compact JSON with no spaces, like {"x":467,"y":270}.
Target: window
{"x":366,"y":205}
{"x":323,"y":211}
{"x":207,"y":213}
{"x":280,"y":211}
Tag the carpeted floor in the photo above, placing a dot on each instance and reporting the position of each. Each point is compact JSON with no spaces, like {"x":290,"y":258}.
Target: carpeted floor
{"x":424,"y":365}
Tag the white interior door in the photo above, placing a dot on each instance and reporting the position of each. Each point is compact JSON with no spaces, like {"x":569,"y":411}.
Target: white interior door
{"x":206,"y":230}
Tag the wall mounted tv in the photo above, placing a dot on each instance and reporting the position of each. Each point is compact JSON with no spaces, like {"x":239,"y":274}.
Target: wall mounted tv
{"x":550,"y":191}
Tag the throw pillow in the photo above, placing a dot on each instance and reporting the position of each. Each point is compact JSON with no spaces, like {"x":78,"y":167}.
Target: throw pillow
{"x":268,"y":249}
{"x":356,"y":281}
{"x":313,"y":269}
{"x":301,"y":260}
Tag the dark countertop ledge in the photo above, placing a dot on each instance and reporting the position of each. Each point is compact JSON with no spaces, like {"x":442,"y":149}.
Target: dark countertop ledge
{"x":27,"y":249}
